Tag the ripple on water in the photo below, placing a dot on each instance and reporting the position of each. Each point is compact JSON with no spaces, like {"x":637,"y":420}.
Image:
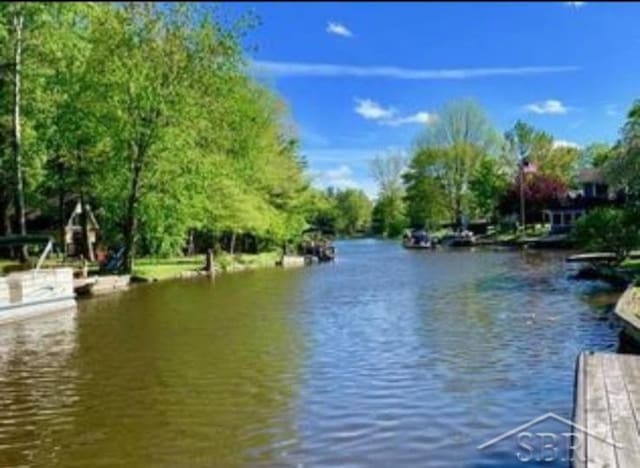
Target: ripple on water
{"x":388,"y":357}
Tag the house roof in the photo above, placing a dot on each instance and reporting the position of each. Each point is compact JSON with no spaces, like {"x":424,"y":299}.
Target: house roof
{"x":591,"y":176}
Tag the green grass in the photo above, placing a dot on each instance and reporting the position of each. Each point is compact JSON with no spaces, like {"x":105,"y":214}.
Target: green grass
{"x":228,"y":262}
{"x":156,"y":272}
{"x":155,"y":269}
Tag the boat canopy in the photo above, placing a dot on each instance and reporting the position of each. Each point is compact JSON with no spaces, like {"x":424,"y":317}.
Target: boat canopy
{"x":9,"y":241}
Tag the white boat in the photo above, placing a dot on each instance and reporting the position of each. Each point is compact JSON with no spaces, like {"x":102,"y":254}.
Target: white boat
{"x":30,"y":293}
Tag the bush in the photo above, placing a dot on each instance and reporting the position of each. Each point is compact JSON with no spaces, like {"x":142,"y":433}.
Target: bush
{"x":609,"y":230}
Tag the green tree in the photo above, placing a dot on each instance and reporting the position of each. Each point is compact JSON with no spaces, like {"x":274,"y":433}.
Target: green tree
{"x":488,"y":183}
{"x":426,"y":196}
{"x":465,"y":133}
{"x":353,"y":211}
{"x":595,"y":155}
{"x":149,"y":64}
{"x":388,"y":216}
{"x":609,"y":230}
{"x":389,"y":211}
{"x":561,"y":162}
{"x":526,"y":142}
{"x":623,"y":167}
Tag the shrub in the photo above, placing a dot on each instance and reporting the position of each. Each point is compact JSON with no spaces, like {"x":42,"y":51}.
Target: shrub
{"x":609,"y":230}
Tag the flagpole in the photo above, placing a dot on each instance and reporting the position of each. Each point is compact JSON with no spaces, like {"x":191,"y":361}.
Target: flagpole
{"x":522,"y":211}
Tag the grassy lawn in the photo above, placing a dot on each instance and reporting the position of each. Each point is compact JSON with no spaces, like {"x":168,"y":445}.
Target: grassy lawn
{"x":154,"y":269}
{"x":164,"y":268}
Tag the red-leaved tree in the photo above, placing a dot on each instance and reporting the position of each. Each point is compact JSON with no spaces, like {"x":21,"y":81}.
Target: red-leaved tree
{"x":540,"y":192}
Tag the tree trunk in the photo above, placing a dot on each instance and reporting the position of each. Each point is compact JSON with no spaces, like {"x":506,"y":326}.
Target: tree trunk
{"x":191,"y":248}
{"x":5,"y":216}
{"x":87,"y":248}
{"x":232,"y":242}
{"x":62,"y":222}
{"x":62,"y":193}
{"x":130,"y":221}
{"x":17,"y":140}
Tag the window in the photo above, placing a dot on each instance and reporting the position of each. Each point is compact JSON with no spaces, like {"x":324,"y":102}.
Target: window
{"x":588,"y":190}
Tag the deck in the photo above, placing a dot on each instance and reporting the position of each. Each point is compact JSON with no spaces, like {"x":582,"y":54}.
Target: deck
{"x":599,"y":257}
{"x":607,"y":411}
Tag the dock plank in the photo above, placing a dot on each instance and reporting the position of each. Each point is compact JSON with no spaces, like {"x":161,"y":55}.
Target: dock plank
{"x":607,"y":406}
{"x":621,"y":413}
{"x":579,"y":415}
{"x":599,"y":452}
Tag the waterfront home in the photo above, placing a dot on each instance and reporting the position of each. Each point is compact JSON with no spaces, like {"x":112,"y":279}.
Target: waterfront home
{"x":594,"y":192}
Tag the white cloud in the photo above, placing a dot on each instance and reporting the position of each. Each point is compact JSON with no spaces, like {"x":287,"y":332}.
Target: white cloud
{"x":424,"y":118}
{"x":338,"y":29}
{"x":346,"y":167}
{"x":566,"y":144}
{"x":291,"y":69}
{"x":550,"y":106}
{"x":575,"y":5}
{"x":338,"y":177}
{"x":371,"y":110}
{"x":612,"y":110}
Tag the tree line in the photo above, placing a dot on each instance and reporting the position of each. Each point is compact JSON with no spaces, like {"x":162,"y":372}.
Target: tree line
{"x":462,"y":168}
{"x":147,"y":113}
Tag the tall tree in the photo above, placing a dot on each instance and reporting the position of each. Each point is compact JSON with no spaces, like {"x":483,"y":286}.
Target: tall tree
{"x":148,"y":62}
{"x":426,"y":195}
{"x":595,"y":155}
{"x":487,"y":184}
{"x":525,"y":142}
{"x":467,"y":135}
{"x":389,"y":211}
{"x":386,"y":170}
{"x":353,"y":211}
{"x":623,"y":168}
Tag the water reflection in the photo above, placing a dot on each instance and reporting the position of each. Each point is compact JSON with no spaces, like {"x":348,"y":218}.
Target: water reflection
{"x":387,"y":357}
{"x":37,"y":387}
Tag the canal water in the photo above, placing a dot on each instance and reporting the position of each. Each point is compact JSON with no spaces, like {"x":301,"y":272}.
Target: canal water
{"x":387,"y":357}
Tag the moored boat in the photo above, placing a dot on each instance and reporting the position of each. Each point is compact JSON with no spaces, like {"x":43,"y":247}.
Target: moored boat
{"x":462,"y":239}
{"x":25,"y":294}
{"x":417,"y":239}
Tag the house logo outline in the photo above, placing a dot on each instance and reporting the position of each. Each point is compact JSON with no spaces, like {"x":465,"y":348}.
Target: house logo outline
{"x":539,"y":419}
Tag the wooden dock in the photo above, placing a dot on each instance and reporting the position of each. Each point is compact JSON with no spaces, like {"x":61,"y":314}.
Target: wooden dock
{"x":598,"y":257}
{"x":607,"y":411}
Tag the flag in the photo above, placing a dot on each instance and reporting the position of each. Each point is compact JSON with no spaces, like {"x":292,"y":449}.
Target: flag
{"x":528,"y":167}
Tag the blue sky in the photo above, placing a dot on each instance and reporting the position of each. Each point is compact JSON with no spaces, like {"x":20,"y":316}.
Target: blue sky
{"x":364,"y":78}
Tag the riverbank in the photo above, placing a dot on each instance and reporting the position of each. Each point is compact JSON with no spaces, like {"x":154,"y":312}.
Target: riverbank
{"x":618,"y":276}
{"x":158,"y":269}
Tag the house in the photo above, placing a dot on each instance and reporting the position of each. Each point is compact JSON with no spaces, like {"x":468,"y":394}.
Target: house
{"x":594,"y":192}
